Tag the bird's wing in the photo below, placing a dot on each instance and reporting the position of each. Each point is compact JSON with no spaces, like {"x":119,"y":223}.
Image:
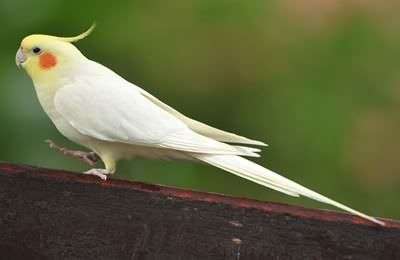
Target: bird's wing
{"x":202,"y":128}
{"x":111,"y":110}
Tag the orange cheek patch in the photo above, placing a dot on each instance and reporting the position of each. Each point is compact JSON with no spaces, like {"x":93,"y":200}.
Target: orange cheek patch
{"x":47,"y":60}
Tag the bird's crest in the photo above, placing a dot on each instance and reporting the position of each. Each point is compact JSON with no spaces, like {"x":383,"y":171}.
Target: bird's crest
{"x":80,"y":36}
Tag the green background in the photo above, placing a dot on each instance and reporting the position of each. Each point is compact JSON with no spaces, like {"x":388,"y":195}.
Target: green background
{"x":319,"y":81}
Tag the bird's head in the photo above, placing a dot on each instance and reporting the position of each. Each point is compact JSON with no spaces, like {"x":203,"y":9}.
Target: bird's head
{"x":44,"y":55}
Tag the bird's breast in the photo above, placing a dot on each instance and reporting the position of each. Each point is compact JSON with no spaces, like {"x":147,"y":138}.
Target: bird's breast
{"x":46,"y":95}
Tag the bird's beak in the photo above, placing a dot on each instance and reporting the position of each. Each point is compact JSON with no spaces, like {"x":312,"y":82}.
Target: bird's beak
{"x":20,"y":58}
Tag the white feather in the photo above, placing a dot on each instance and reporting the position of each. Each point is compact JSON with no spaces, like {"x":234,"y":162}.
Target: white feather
{"x":100,"y":105}
{"x":258,"y":174}
{"x":106,"y":107}
{"x":202,"y":128}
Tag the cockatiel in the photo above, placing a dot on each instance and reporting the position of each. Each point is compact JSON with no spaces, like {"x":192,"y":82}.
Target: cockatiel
{"x":93,"y":106}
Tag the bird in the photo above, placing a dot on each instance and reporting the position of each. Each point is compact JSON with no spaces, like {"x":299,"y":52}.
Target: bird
{"x":96,"y":108}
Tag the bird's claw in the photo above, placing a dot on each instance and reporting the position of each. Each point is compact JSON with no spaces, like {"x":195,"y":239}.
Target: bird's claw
{"x":101,"y":173}
{"x":90,"y":158}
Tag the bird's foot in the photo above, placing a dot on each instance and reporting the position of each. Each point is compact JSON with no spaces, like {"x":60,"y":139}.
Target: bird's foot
{"x":90,"y":158}
{"x":101,"y":173}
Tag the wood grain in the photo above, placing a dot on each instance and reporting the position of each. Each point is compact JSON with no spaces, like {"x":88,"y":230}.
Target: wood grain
{"x":53,"y":214}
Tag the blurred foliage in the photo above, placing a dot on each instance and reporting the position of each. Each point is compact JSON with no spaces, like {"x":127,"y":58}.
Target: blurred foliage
{"x":317,"y":80}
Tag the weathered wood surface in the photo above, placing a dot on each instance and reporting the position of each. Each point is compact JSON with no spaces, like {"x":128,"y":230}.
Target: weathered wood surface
{"x":52,"y":214}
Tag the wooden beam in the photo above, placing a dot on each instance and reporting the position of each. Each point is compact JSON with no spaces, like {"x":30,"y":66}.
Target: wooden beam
{"x":53,"y":214}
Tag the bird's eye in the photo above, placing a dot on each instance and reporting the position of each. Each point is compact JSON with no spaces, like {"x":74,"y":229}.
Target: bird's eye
{"x":36,"y":50}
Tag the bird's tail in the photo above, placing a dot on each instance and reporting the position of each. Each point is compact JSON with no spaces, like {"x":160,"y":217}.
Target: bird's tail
{"x":258,"y":174}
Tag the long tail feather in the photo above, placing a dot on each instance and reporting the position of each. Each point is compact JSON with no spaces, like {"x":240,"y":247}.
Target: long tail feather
{"x":258,"y":174}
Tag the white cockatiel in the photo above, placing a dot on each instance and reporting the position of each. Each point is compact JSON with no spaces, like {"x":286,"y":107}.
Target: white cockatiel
{"x":95,"y":107}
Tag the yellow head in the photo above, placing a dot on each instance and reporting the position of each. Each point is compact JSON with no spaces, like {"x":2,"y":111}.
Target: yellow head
{"x":44,"y":56}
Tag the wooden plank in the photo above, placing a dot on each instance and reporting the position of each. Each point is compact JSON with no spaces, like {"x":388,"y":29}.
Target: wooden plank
{"x":53,"y":214}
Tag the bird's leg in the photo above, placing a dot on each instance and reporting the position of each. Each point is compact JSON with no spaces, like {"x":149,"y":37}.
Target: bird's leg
{"x":90,"y":158}
{"x":110,"y":167}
